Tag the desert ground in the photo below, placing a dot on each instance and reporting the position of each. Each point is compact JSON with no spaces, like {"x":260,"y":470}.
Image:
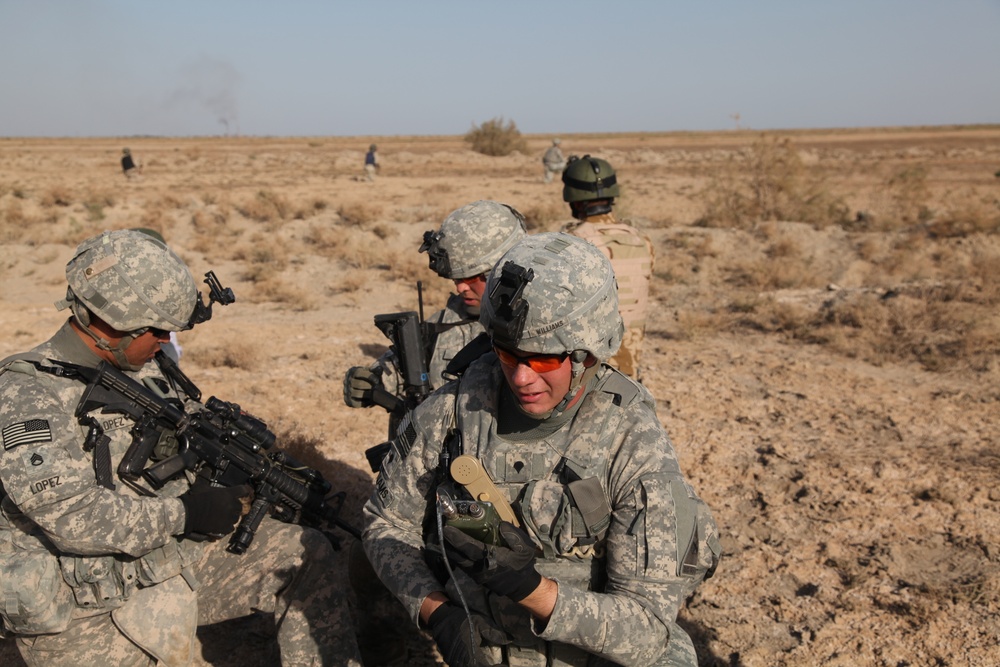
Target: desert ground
{"x":822,"y":345}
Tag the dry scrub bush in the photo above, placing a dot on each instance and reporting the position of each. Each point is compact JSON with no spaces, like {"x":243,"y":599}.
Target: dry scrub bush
{"x":324,"y":239}
{"x":934,"y":331}
{"x":266,"y":206}
{"x":422,"y":213}
{"x":496,"y":138}
{"x":768,"y":181}
{"x":382,"y":231}
{"x":237,"y":354}
{"x":263,"y":259}
{"x":170,"y":202}
{"x":13,"y":215}
{"x":58,"y":195}
{"x":359,"y":213}
{"x":406,"y":266}
{"x":274,"y":289}
{"x":547,"y":217}
{"x":965,"y":213}
{"x":347,"y":283}
{"x":908,"y":195}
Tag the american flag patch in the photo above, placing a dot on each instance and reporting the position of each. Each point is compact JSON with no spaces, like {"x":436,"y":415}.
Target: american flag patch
{"x":23,"y":433}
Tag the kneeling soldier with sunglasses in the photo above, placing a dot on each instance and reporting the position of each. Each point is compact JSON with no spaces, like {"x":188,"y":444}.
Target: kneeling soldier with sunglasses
{"x":99,"y":566}
{"x":533,"y":511}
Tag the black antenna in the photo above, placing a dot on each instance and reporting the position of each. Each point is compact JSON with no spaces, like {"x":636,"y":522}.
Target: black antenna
{"x":420,"y":300}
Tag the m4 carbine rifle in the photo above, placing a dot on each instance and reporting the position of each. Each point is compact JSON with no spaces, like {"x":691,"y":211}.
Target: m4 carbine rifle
{"x":221,"y":441}
{"x":411,"y":341}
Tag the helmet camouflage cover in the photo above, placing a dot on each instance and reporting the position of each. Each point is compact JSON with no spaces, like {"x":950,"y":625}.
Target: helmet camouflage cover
{"x":131,"y":280}
{"x":587,"y":178}
{"x":553,"y":293}
{"x":472,"y":238}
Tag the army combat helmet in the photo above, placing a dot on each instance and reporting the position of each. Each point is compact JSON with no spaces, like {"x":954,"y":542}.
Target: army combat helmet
{"x":133,"y":282}
{"x":555,"y":293}
{"x":587,"y":179}
{"x":472,"y":238}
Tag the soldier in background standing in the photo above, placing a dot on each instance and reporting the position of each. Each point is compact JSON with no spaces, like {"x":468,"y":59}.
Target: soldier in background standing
{"x":553,"y":161}
{"x":590,"y":187}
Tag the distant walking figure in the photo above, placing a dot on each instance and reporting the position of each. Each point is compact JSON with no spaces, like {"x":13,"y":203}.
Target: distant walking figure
{"x":129,"y":167}
{"x":553,"y":161}
{"x":371,"y":163}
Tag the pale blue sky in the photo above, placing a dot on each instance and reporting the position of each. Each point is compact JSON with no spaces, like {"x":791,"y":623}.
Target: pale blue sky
{"x":385,"y":67}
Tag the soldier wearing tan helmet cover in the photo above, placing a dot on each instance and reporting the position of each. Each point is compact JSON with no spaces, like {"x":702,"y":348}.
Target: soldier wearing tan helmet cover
{"x":466,"y":246}
{"x":611,"y":538}
{"x":95,"y":572}
{"x":590,"y":187}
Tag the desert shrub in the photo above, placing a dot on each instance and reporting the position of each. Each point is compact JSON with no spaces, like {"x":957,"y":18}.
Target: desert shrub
{"x":266,"y":206}
{"x":57,"y":195}
{"x":235,"y":354}
{"x":325,"y":239}
{"x":546,"y":217}
{"x":207,"y":222}
{"x":495,"y":137}
{"x":170,"y":202}
{"x":407,"y":266}
{"x":14,"y":213}
{"x":965,"y":213}
{"x":768,"y":181}
{"x":274,"y":289}
{"x":359,"y":213}
{"x":263,"y":259}
{"x":95,"y":211}
{"x":908,"y":196}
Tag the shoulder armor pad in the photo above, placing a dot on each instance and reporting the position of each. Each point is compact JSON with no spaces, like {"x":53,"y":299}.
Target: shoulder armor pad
{"x":622,"y":387}
{"x":20,"y":363}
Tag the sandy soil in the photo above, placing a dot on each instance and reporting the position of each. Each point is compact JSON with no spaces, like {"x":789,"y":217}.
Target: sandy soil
{"x":857,"y":496}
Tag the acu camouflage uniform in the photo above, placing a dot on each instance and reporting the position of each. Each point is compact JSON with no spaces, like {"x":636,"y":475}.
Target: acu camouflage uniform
{"x":469,"y":242}
{"x":94,"y":572}
{"x":598,"y":488}
{"x":455,"y":328}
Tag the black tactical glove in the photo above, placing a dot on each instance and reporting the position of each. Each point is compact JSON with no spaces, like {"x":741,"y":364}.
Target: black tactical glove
{"x":213,"y":510}
{"x":506,"y":570}
{"x":449,"y":625}
{"x":358,"y":384}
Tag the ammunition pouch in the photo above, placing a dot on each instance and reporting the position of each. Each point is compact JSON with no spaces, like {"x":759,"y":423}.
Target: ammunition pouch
{"x":99,"y":582}
{"x":569,"y":520}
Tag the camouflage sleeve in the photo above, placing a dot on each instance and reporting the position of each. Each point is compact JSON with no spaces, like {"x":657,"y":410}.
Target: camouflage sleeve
{"x":394,"y":514}
{"x":51,"y":479}
{"x":655,"y":517}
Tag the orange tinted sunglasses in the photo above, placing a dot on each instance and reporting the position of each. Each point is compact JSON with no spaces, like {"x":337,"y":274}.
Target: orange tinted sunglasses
{"x":540,"y":363}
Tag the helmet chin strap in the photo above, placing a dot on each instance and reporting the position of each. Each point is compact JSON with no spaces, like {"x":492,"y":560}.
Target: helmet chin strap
{"x":82,"y":318}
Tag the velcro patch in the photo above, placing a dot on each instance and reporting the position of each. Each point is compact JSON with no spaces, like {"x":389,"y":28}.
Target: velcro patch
{"x":27,"y":432}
